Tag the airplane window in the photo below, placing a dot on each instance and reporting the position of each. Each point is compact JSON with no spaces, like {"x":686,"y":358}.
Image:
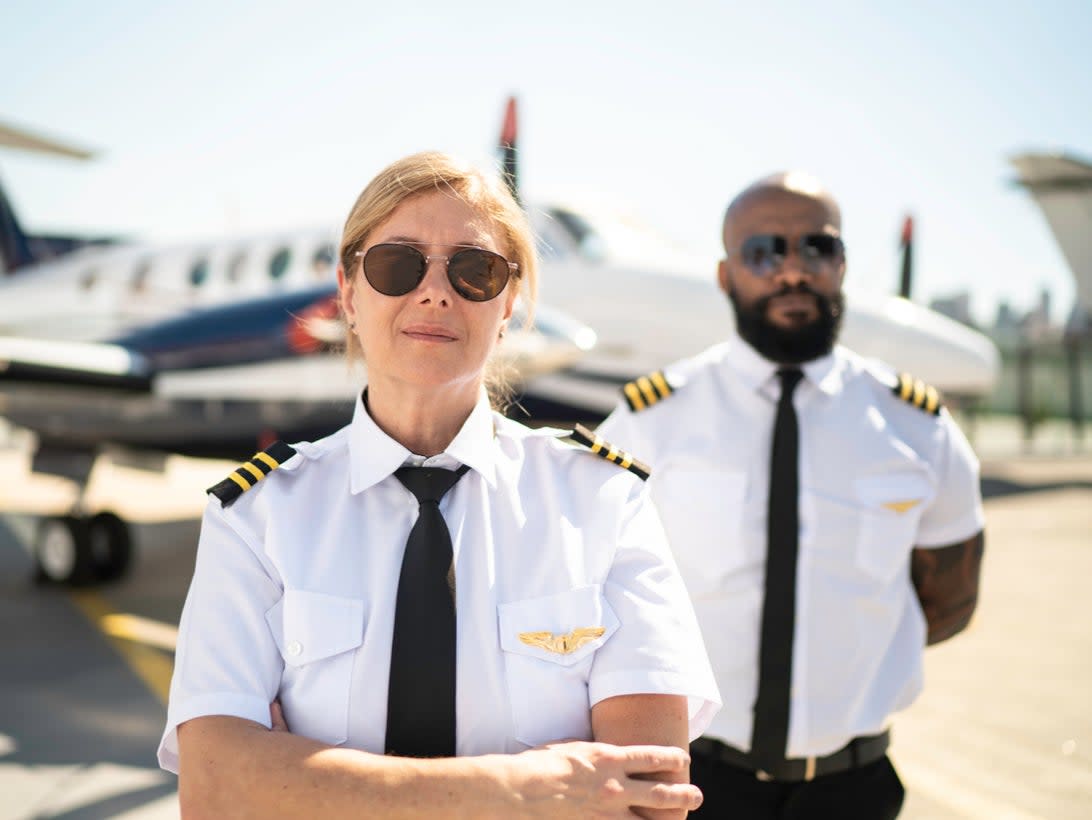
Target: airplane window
{"x":199,"y":272}
{"x":87,"y":281}
{"x":235,"y":267}
{"x":545,"y":249}
{"x":139,"y":281}
{"x":322,"y":263}
{"x":581,"y":232}
{"x":278,"y":265}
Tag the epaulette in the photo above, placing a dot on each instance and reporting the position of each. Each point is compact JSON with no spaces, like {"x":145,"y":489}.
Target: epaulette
{"x":251,"y":472}
{"x":582,"y":435}
{"x":916,"y":392}
{"x":646,"y":391}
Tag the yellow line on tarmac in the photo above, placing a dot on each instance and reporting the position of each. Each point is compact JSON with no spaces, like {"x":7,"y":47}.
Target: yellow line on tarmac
{"x":138,"y":640}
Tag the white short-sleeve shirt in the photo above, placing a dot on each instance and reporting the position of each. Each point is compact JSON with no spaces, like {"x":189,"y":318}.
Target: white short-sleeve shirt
{"x":294,"y":590}
{"x":878,"y":477}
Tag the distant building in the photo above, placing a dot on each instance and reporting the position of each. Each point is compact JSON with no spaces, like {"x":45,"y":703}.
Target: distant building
{"x":957,"y":306}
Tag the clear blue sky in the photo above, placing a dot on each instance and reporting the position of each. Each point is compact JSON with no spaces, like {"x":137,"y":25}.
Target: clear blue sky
{"x":217,"y":117}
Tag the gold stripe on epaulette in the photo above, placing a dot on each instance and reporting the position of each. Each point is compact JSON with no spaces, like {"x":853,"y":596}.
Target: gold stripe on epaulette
{"x":597,"y":445}
{"x":266,"y":459}
{"x":646,"y":391}
{"x":917,"y":393}
{"x":244,"y":485}
{"x":249,"y":473}
{"x":932,"y":399}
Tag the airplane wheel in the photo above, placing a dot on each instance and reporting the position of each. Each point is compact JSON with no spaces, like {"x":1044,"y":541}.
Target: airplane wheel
{"x":62,"y":550}
{"x":111,"y":547}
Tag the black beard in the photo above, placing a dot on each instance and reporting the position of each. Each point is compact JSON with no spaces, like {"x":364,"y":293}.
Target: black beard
{"x":790,"y":345}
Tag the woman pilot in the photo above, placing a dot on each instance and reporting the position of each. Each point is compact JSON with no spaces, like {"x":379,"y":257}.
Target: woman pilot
{"x":434,"y":593}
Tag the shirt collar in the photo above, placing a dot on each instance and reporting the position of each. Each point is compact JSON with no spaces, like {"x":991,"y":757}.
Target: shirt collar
{"x":756,"y":371}
{"x":373,"y":455}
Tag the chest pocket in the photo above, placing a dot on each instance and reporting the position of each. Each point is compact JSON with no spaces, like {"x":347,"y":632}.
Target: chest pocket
{"x":702,"y":511}
{"x":316,"y":635}
{"x":891,"y":508}
{"x":549,"y":645}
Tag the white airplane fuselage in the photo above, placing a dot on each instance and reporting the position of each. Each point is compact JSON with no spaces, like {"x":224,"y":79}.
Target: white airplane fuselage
{"x":644,"y":316}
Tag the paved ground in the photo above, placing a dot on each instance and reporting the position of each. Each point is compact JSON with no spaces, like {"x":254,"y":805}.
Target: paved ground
{"x":1004,"y":729}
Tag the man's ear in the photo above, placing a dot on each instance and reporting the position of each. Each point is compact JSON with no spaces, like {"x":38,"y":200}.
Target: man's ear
{"x":724,"y":277}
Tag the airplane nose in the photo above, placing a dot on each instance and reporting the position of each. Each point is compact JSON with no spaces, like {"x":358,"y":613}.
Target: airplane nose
{"x":952,"y":357}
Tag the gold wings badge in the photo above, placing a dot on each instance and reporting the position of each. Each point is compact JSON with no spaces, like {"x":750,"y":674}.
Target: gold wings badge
{"x":902,"y":506}
{"x":564,"y":644}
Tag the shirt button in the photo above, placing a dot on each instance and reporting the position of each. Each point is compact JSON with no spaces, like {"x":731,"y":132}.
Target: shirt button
{"x":295,"y":648}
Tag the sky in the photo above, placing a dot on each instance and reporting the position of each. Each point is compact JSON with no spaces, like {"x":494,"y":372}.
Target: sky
{"x":216,"y":118}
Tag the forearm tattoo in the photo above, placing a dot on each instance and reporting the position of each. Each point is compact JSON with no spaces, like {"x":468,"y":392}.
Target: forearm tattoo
{"x":946,"y":580}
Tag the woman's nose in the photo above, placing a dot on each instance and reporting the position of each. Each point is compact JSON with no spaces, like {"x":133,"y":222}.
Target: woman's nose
{"x":435,"y":287}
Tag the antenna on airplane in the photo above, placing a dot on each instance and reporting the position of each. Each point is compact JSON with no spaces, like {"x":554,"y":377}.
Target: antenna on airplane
{"x":907,"y":245}
{"x":507,"y":146}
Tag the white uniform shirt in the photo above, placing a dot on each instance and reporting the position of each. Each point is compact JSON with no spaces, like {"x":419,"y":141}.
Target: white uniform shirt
{"x":294,"y":590}
{"x":878,"y":477}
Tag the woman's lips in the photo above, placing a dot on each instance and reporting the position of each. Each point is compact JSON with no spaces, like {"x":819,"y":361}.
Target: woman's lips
{"x":430,"y":333}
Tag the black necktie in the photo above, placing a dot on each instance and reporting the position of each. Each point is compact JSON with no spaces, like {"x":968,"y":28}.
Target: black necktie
{"x":421,"y":693}
{"x":771,"y":724}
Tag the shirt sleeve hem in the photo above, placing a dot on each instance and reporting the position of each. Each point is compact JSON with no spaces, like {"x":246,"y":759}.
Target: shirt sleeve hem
{"x":703,"y":701}
{"x":953,"y":533}
{"x":231,"y":704}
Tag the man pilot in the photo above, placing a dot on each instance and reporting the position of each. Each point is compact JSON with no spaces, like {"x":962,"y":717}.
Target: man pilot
{"x":826,"y":515}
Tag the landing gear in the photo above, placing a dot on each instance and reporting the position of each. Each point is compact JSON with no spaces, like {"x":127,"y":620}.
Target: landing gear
{"x":111,"y":546}
{"x":78,"y":551}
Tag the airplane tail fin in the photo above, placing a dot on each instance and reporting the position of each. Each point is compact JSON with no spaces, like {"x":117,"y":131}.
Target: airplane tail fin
{"x":507,"y":147}
{"x":1062,"y":188}
{"x":906,"y":278}
{"x":17,"y":248}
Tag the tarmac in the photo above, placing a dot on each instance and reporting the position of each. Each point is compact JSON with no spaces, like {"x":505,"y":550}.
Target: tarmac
{"x":1003,"y":729}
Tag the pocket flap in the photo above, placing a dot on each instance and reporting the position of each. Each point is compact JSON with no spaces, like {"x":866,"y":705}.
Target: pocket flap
{"x":563,"y":628}
{"x":894,"y":494}
{"x":309,"y":626}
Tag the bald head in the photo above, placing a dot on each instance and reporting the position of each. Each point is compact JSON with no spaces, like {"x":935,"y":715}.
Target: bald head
{"x":783,"y":187}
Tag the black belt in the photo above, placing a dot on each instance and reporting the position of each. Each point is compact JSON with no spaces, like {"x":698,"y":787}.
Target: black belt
{"x":858,"y":752}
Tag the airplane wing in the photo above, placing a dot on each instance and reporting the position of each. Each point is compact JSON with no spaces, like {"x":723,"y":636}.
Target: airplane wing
{"x":217,"y":381}
{"x":83,"y":364}
{"x":1061,"y":186}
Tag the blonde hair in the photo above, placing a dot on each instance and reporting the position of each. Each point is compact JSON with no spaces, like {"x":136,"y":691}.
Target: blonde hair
{"x":435,"y":171}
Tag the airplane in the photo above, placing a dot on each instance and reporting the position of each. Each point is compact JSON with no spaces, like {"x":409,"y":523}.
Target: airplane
{"x":215,"y":348}
{"x":1061,"y":185}
{"x":209,"y":350}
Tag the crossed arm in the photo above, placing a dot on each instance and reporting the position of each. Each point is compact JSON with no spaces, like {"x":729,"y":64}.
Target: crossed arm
{"x":946,"y":581}
{"x":232,"y":767}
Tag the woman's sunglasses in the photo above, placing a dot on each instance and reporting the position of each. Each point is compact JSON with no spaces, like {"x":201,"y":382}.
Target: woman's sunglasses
{"x":765,"y":253}
{"x":475,"y":274}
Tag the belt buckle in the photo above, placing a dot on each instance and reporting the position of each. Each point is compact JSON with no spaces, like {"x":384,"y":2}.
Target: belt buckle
{"x":809,"y":772}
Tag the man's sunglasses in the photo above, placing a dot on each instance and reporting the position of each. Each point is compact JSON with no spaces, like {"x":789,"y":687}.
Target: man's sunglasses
{"x":765,"y":253}
{"x":475,"y":274}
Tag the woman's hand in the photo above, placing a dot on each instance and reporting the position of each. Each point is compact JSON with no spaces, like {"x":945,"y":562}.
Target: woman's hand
{"x":581,"y":779}
{"x":276,"y":717}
